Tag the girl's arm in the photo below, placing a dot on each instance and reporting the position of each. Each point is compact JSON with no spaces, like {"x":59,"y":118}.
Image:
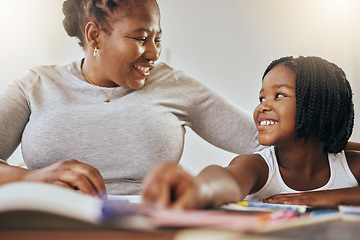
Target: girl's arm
{"x":245,"y":174}
{"x":170,"y":186}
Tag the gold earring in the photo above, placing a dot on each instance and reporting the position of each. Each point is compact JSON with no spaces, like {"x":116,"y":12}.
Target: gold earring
{"x":95,"y":51}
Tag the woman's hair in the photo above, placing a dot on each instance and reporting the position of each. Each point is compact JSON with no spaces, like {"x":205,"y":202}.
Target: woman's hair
{"x":79,"y":12}
{"x":324,"y":106}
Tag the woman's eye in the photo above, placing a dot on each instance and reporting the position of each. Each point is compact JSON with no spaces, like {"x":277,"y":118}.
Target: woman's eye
{"x":139,"y":39}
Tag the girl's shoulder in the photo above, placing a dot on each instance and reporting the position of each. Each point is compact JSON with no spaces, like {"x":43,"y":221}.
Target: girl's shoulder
{"x":353,"y":159}
{"x":253,"y":165}
{"x":250,"y":161}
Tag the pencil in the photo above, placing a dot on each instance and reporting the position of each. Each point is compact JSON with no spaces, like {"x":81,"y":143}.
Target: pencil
{"x":294,"y":208}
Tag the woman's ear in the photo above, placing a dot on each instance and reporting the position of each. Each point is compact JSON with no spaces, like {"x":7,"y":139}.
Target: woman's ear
{"x":92,"y":34}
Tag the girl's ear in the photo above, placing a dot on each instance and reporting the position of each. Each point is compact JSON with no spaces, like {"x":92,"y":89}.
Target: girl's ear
{"x":92,"y":34}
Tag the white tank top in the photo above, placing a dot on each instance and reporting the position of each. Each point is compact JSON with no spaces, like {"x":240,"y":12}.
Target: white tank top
{"x":340,"y":176}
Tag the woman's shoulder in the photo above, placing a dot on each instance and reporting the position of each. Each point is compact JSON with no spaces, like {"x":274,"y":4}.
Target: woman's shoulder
{"x":163,"y":71}
{"x":165,"y":75}
{"x":47,"y":74}
{"x":50,"y":72}
{"x":60,"y":69}
{"x":160,"y":69}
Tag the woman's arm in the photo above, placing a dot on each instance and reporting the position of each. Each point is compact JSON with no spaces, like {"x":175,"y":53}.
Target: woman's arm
{"x":15,"y":112}
{"x":219,"y":121}
{"x":70,"y":174}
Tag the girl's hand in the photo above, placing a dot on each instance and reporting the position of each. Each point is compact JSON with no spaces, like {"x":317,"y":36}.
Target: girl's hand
{"x":319,"y":198}
{"x":334,"y":197}
{"x":70,"y":174}
{"x":168,"y":185}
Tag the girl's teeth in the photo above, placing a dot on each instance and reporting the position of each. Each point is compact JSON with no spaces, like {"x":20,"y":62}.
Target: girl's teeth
{"x":267,"y":123}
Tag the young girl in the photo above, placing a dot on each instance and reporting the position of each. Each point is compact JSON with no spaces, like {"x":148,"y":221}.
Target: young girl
{"x":305,"y":116}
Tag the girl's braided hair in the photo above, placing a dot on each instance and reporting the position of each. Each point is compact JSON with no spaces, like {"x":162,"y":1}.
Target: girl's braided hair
{"x":324,"y":106}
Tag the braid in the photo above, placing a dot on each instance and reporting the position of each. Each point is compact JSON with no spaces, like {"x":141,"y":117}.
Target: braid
{"x":276,"y":62}
{"x":324,"y":106}
{"x":325,"y":109}
{"x":342,"y":124}
{"x":299,"y":103}
{"x":79,"y":12}
{"x":309,"y":89}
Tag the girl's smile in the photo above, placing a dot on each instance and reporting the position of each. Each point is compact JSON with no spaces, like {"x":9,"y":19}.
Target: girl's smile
{"x":275,"y":115}
{"x":263,"y":122}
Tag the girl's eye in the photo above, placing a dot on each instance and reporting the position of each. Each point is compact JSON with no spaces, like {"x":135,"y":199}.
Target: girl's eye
{"x":261,"y":99}
{"x":279,"y":95}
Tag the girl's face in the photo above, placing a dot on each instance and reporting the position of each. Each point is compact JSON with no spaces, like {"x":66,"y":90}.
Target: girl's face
{"x":275,"y":115}
{"x":128,"y":53}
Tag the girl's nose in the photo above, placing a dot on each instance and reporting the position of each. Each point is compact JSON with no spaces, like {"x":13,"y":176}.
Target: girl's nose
{"x":265,"y":107}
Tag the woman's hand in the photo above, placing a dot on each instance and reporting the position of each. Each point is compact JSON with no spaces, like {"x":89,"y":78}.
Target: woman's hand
{"x":168,"y":185}
{"x":70,"y":174}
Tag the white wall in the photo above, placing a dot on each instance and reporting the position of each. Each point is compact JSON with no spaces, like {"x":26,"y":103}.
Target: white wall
{"x":32,"y":34}
{"x":226,"y":44}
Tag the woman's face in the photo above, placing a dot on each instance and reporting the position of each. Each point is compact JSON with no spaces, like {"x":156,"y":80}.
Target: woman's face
{"x":127,"y":54}
{"x":275,"y":115}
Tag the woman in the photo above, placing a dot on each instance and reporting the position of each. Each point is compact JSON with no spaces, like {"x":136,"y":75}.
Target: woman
{"x":100,"y":123}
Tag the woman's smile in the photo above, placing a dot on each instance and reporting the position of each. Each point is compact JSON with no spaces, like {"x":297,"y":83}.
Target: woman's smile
{"x":143,"y":69}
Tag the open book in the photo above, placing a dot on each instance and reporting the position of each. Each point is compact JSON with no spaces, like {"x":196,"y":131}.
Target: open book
{"x":40,"y":205}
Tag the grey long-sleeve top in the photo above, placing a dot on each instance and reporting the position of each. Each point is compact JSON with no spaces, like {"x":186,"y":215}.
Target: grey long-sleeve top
{"x":56,"y":115}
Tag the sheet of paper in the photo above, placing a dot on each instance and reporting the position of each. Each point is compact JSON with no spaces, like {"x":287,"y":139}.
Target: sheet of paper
{"x":130,"y":198}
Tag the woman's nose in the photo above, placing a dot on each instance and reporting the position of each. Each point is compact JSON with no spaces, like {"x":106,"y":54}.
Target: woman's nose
{"x":153,"y":51}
